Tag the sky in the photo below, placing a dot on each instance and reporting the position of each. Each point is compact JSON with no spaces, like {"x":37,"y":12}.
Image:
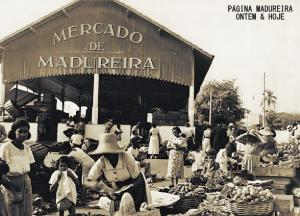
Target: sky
{"x":244,"y":49}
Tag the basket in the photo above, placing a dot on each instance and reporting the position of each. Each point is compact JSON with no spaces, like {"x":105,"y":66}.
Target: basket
{"x":257,"y":209}
{"x":187,"y":203}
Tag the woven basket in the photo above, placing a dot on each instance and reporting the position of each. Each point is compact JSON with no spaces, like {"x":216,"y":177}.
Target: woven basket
{"x":187,"y":203}
{"x":257,"y":209}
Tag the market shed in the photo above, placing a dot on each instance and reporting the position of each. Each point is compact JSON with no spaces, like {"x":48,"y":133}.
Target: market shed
{"x":107,"y":56}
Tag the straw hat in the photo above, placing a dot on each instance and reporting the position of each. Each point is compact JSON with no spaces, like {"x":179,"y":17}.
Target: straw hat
{"x":267,"y":132}
{"x":248,"y":137}
{"x":107,"y":144}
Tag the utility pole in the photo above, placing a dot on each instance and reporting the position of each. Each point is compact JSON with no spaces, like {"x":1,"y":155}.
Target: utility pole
{"x":210,"y":106}
{"x":264,"y":98}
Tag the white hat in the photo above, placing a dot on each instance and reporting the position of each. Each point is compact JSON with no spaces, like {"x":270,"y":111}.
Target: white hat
{"x":107,"y":144}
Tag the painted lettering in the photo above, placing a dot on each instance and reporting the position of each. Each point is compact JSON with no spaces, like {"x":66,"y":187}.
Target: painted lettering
{"x":59,"y":37}
{"x":43,"y":63}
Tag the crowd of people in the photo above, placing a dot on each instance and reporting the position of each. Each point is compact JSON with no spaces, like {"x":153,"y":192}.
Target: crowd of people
{"x":117,"y":170}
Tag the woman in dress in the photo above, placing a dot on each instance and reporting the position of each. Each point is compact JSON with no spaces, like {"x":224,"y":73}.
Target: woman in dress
{"x":206,"y":139}
{"x":18,"y":157}
{"x":116,"y":170}
{"x":252,"y":151}
{"x":177,"y":145}
{"x":154,"y":141}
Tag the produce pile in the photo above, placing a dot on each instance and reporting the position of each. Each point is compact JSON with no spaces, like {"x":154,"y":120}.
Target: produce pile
{"x":214,"y":205}
{"x":248,"y":194}
{"x":188,"y":190}
{"x":287,"y":149}
{"x":288,"y":161}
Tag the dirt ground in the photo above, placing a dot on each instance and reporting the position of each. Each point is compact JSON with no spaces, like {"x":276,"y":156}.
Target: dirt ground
{"x":158,"y":167}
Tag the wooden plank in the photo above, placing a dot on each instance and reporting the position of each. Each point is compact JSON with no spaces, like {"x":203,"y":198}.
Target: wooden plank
{"x":274,"y":171}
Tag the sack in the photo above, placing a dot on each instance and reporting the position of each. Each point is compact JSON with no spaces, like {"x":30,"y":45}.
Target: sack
{"x":64,"y":204}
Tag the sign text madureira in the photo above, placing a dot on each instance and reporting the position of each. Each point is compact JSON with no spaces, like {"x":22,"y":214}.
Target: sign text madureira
{"x":96,"y":62}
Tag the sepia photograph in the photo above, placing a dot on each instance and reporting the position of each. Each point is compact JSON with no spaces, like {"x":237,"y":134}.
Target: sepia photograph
{"x":149,"y":108}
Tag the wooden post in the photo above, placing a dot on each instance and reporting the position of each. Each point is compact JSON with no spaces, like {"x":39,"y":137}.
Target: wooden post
{"x":210,"y":106}
{"x":2,"y":89}
{"x":191,"y":106}
{"x":95,"y":99}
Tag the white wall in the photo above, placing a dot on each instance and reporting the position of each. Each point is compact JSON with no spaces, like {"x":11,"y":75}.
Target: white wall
{"x":92,"y":131}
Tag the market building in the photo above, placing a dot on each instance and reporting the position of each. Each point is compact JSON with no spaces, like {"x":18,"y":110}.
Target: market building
{"x":106,"y":56}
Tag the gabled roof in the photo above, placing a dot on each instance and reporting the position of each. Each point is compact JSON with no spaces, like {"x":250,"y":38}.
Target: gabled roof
{"x":64,"y":10}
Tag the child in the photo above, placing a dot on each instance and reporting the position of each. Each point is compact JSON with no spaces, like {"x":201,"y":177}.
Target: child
{"x":198,"y":157}
{"x":75,"y":153}
{"x":210,"y":166}
{"x":64,"y":182}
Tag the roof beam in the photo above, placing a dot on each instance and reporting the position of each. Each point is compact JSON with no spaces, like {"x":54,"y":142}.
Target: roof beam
{"x":32,"y":29}
{"x":65,"y":12}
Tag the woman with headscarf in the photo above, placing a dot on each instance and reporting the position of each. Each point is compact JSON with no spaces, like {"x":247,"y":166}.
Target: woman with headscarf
{"x":252,"y":151}
{"x":119,"y":176}
{"x":177,"y":145}
{"x":18,"y":157}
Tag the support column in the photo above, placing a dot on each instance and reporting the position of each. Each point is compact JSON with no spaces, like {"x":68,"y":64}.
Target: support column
{"x":95,"y":99}
{"x":191,"y":106}
{"x":2,"y":90}
{"x":63,"y":98}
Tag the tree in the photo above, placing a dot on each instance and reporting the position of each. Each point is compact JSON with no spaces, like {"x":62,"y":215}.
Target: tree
{"x":270,"y":100}
{"x":226,"y":102}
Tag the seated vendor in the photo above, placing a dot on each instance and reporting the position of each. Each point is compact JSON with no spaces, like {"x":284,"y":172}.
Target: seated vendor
{"x":266,"y":136}
{"x":118,"y":169}
{"x":134,"y":151}
{"x":210,"y":166}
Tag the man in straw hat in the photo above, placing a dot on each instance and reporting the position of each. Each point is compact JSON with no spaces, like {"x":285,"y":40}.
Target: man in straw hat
{"x":121,"y":174}
{"x":253,"y":148}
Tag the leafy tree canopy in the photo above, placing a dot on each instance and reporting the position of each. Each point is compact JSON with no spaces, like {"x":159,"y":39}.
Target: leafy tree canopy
{"x":226,"y":102}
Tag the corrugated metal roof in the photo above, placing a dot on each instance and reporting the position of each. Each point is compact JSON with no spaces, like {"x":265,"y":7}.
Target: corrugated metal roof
{"x":68,"y":7}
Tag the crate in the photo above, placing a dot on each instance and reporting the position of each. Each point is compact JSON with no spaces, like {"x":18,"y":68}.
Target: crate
{"x":283,"y":203}
{"x":274,"y":171}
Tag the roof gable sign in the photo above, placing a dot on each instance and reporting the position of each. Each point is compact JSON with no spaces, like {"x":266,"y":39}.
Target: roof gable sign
{"x":97,"y":37}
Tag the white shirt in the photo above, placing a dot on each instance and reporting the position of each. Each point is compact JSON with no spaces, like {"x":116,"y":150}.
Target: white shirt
{"x":18,"y":160}
{"x":133,"y":152}
{"x":199,"y":159}
{"x":81,"y":157}
{"x":77,"y":139}
{"x":66,"y":186}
